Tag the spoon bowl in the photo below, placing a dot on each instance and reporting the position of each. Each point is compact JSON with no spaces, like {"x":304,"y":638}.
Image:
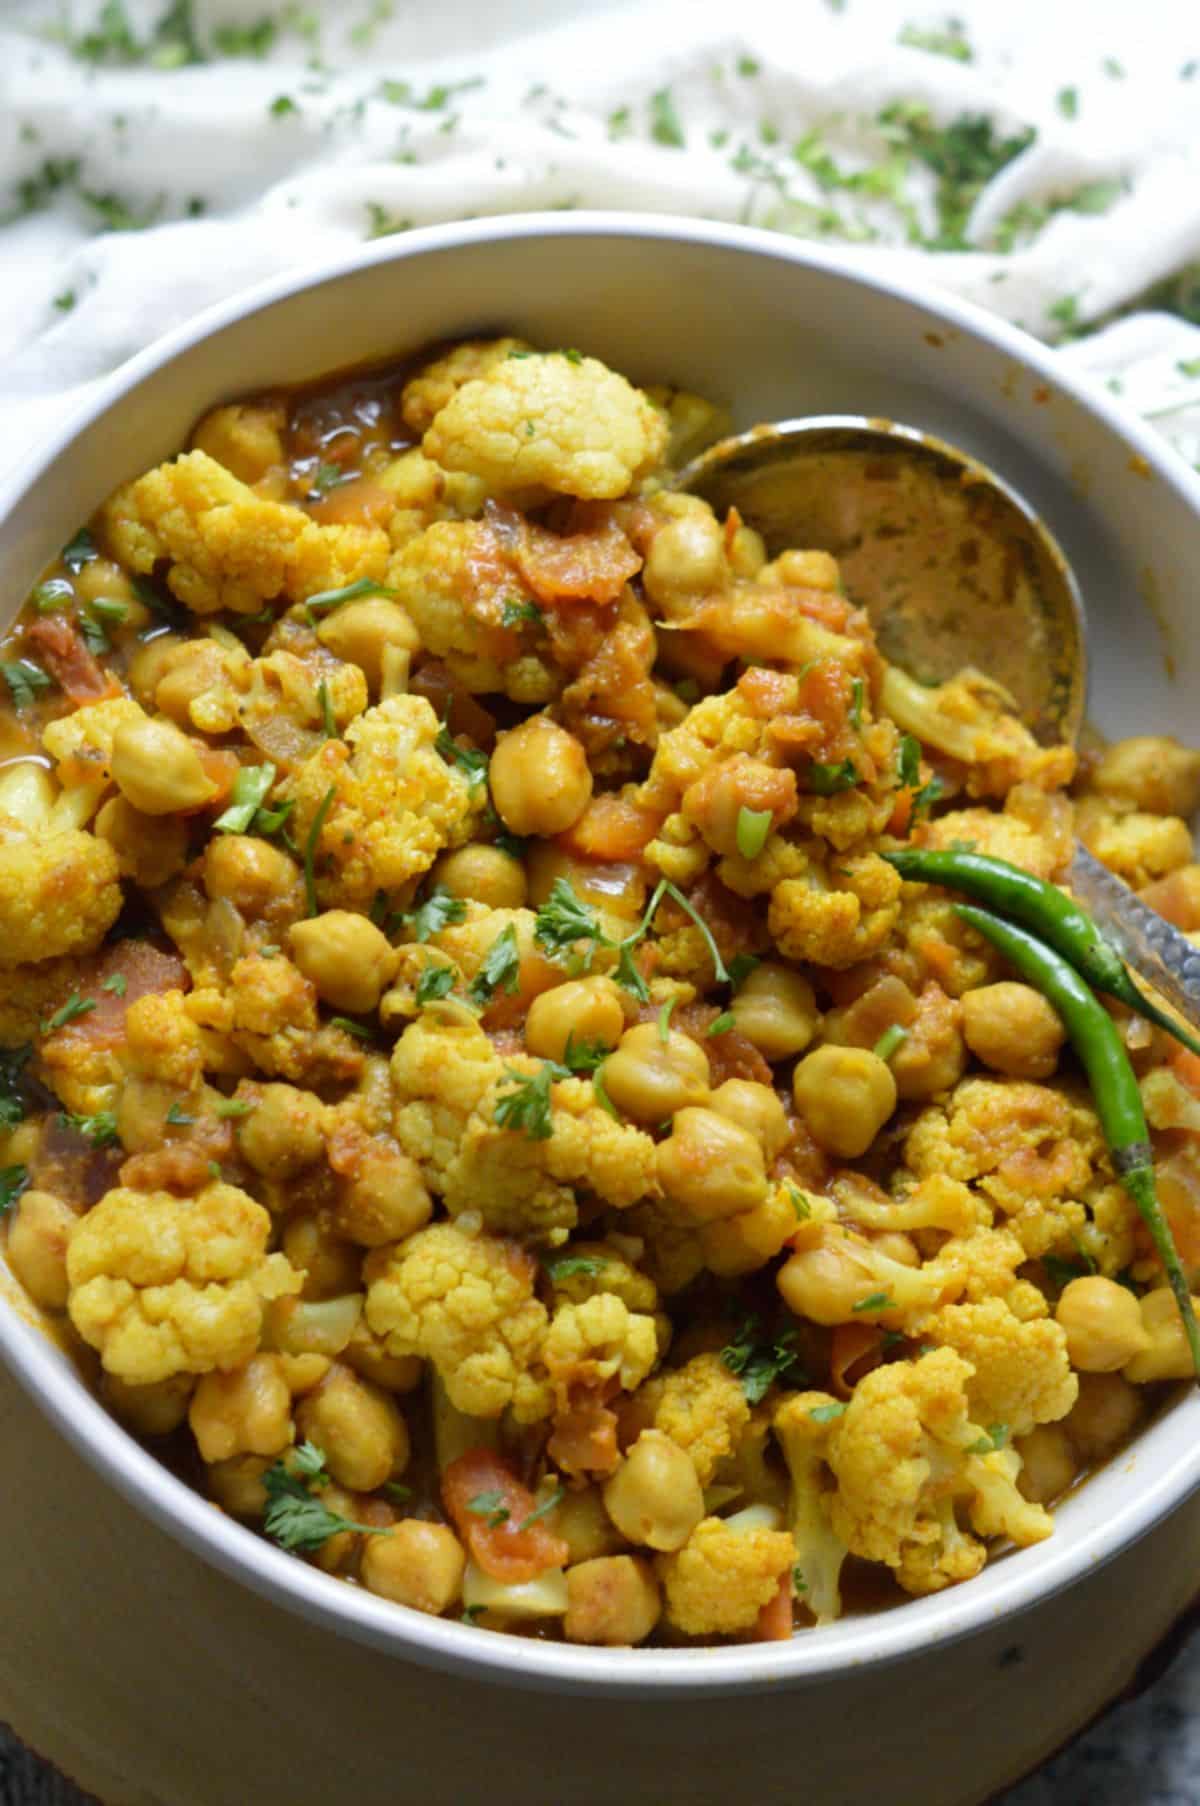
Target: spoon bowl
{"x":952,"y":565}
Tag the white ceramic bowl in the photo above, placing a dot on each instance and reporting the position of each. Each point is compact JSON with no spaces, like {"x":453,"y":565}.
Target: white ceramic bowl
{"x":775,"y":329}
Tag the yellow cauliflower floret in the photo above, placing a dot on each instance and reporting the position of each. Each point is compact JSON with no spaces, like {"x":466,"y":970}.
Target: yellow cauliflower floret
{"x":247,"y":438}
{"x":747,"y":1241}
{"x":395,"y":804}
{"x":713,"y":730}
{"x":673,"y":1253}
{"x":456,"y":581}
{"x":164,"y":1285}
{"x":1137,"y":846}
{"x":549,"y":422}
{"x":227,"y":546}
{"x":819,"y":1551}
{"x":1033,"y":1152}
{"x":836,"y":916}
{"x":723,"y":1576}
{"x":270,"y":1010}
{"x":703,"y":1408}
{"x":59,"y":893}
{"x":607,"y":1268}
{"x":601,"y":1339}
{"x":162,"y":1042}
{"x":465,"y":1303}
{"x":427,"y":393}
{"x":81,"y":743}
{"x":969,"y":718}
{"x":448,"y":1080}
{"x":905,"y":1456}
{"x":1022,"y":1373}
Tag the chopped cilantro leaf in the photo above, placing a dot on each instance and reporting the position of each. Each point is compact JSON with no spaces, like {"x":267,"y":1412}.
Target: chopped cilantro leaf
{"x":665,"y":125}
{"x":828,"y":780}
{"x":74,"y":1007}
{"x":490,"y":1506}
{"x":178,"y":1117}
{"x":758,"y":1360}
{"x":439,"y":910}
{"x":26,"y":682}
{"x":250,"y":788}
{"x":548,"y":1504}
{"x":116,"y":983}
{"x":100,"y":1130}
{"x":993,"y":1438}
{"x":722,"y":1025}
{"x":56,"y":592}
{"x":470,"y":761}
{"x":566,"y":1266}
{"x":826,"y":1413}
{"x":14,"y":1180}
{"x":13,"y":1061}
{"x":584,"y":1055}
{"x":878,"y":1301}
{"x":294,"y":1518}
{"x":435,"y":982}
{"x":521,"y":614}
{"x":857,"y":694}
{"x":753,"y":827}
{"x":326,"y":599}
{"x":348,"y":1026}
{"x":564,"y":919}
{"x":312,"y":841}
{"x":908,"y":761}
{"x":527,"y":1106}
{"x":500,"y":968}
{"x":79,"y":551}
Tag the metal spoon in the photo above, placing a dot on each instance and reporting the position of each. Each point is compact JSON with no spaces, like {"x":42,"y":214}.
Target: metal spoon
{"x":954,"y":568}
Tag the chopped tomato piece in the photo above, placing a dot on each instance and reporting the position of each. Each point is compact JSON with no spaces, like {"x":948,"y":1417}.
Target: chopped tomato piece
{"x":593,"y":566}
{"x":489,"y":1508}
{"x":774,"y":1621}
{"x":585,"y":1435}
{"x":612,"y":827}
{"x":71,"y":664}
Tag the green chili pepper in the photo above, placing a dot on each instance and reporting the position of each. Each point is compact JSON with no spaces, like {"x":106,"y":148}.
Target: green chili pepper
{"x":1046,"y":912}
{"x":1097,"y":1041}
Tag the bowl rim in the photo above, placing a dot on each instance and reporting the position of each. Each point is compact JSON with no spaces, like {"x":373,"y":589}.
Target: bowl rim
{"x":1021,"y":1579}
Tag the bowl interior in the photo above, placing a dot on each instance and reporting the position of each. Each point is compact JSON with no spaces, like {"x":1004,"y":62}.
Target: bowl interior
{"x":774,"y":331}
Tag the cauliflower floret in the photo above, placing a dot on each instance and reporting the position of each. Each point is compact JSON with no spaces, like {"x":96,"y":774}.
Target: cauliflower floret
{"x":902,"y":1456}
{"x":246,"y":438}
{"x":969,"y":719}
{"x":1022,"y":1372}
{"x":1138,"y":847}
{"x":819,"y":1551}
{"x":835,"y":917}
{"x":1152,"y":772}
{"x":59,"y":893}
{"x":591,"y":1343}
{"x":270,"y":1009}
{"x":448,"y":1080}
{"x":227,"y":546}
{"x":458,"y":580}
{"x":395,"y":803}
{"x":703,"y":1408}
{"x":465,"y":1303}
{"x":587,"y":1268}
{"x":723,"y":1576}
{"x":164,"y":1285}
{"x":747,"y":1241}
{"x":162,"y":1042}
{"x":427,"y":393}
{"x":1033,"y":1152}
{"x":549,"y":421}
{"x":81,"y":743}
{"x":674,"y":1254}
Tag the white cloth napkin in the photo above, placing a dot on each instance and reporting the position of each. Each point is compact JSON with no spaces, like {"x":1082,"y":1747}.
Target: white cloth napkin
{"x":226,"y":144}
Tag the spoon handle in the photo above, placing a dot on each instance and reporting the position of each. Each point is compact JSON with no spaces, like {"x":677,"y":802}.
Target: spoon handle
{"x":1155,"y":949}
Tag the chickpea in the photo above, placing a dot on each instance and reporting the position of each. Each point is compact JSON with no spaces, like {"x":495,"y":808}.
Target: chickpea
{"x":686,"y":560}
{"x":654,"y":1498}
{"x":246,"y":1412}
{"x":38,"y":1235}
{"x":586,"y":1009}
{"x":613,"y":1600}
{"x":483,"y":874}
{"x":331,"y":1267}
{"x":776,"y":1010}
{"x":617,"y":892}
{"x":540,"y":778}
{"x":251,"y":874}
{"x":713,"y":804}
{"x":361,"y":632}
{"x":1151,"y":772}
{"x":1164,"y":1355}
{"x":584,"y":1525}
{"x":649,"y":1079}
{"x":237,"y":1485}
{"x":845,"y":1096}
{"x":350,"y":961}
{"x":360,"y":1428}
{"x":148,"y":851}
{"x":186,"y":672}
{"x":153,"y":1410}
{"x":366,"y":1353}
{"x":100,"y":577}
{"x":895,"y":1245}
{"x":150,"y":664}
{"x":1102,"y":1323}
{"x":157,"y":768}
{"x":711,"y":1167}
{"x":384,"y":1200}
{"x":832,"y":1273}
{"x":1048,"y":1463}
{"x":416,"y":1564}
{"x":337,"y":1552}
{"x":758,"y":1109}
{"x":1012,"y":1029}
{"x":1103,"y":1416}
{"x":303,"y":1327}
{"x":284,"y":1132}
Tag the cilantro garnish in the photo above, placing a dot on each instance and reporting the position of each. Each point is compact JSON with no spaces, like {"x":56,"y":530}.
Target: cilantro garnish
{"x":889,"y":1041}
{"x":993,"y":1438}
{"x":100,"y":1129}
{"x":294,"y":1518}
{"x":527,"y":1106}
{"x":13,"y":1061}
{"x":79,"y":551}
{"x":826,"y":1413}
{"x":753,"y":827}
{"x":490,"y":1506}
{"x":250,"y":788}
{"x":566,"y":1266}
{"x":759,"y":1360}
{"x":74,"y":1007}
{"x":14,"y":1180}
{"x":326,"y":599}
{"x":877,"y":1301}
{"x":26,"y":682}
{"x":310,"y":849}
{"x":828,"y":780}
{"x":434,"y":982}
{"x":439,"y":910}
{"x":500,"y":969}
{"x":521,"y":614}
{"x":470,"y":761}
